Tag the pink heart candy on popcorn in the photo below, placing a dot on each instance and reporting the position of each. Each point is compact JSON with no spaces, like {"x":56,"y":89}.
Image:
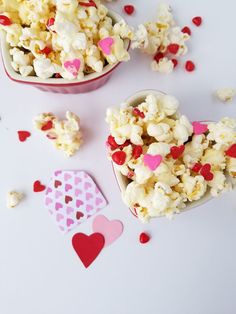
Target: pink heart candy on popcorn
{"x":152,"y":161}
{"x":73,"y":66}
{"x":105,"y":45}
{"x":199,"y":128}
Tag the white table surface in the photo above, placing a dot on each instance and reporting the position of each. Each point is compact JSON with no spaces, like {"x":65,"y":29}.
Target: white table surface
{"x":189,"y":266}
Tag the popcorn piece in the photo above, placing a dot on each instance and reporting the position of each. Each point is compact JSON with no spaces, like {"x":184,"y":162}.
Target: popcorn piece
{"x":225,"y":94}
{"x":65,"y":134}
{"x":14,"y":198}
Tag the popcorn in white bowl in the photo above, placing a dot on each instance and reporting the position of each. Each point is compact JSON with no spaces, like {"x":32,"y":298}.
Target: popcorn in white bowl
{"x":176,"y":164}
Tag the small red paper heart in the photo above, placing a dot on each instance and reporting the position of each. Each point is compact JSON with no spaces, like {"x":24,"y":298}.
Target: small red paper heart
{"x":144,"y":238}
{"x":177,"y":151}
{"x":231,"y":151}
{"x":68,"y":199}
{"x":88,"y":247}
{"x":137,"y":151}
{"x":79,"y":215}
{"x":57,"y":183}
{"x":129,"y":9}
{"x":197,"y":20}
{"x":23,"y":135}
{"x":90,"y":3}
{"x":38,"y":187}
{"x":119,"y":157}
{"x":47,"y":126}
{"x":206,"y":172}
{"x":4,"y":20}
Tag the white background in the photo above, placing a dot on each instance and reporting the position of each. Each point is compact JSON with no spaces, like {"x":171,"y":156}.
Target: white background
{"x":189,"y":266}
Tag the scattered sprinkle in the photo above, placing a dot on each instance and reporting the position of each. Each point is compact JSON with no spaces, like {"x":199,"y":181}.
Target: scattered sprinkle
{"x":197,"y":20}
{"x":129,"y":9}
{"x":144,"y":238}
{"x":186,"y":30}
{"x":23,"y":135}
{"x":189,"y":66}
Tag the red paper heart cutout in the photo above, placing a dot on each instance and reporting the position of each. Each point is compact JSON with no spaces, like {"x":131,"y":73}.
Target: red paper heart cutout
{"x":68,"y":199}
{"x":177,"y":151}
{"x":90,"y":3}
{"x":88,"y":247}
{"x":79,"y":215}
{"x":206,"y":172}
{"x":38,"y":187}
{"x":23,"y":135}
{"x":47,"y":126}
{"x":231,"y":151}
{"x":57,"y":183}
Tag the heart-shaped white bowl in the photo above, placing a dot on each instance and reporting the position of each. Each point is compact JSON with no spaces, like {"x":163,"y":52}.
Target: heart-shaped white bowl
{"x":123,"y":181}
{"x":89,"y":83}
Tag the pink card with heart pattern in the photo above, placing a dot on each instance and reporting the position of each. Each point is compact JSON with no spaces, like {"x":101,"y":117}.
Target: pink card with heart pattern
{"x":72,"y":197}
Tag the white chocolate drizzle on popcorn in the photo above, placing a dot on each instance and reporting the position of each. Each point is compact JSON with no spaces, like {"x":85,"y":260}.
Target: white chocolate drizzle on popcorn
{"x":166,"y":164}
{"x":65,"y":134}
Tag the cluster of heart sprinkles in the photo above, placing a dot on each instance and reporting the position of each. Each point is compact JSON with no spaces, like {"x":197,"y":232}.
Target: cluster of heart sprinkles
{"x":167,"y":160}
{"x":61,"y":38}
{"x":164,"y":40}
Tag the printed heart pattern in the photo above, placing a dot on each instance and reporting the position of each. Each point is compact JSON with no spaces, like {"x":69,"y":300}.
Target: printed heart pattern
{"x":105,"y":45}
{"x":73,"y":195}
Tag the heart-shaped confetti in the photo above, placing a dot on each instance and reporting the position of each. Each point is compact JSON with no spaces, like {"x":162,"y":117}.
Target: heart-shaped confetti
{"x":23,"y":135}
{"x":73,"y":66}
{"x":88,"y":247}
{"x":199,"y":128}
{"x":119,"y":157}
{"x":105,"y":45}
{"x":152,"y":161}
{"x":144,"y":238}
{"x":231,"y":151}
{"x":110,"y":229}
{"x":177,"y":151}
{"x":38,"y":187}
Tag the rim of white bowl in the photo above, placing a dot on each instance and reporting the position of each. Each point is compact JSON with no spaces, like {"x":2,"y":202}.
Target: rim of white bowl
{"x":7,"y":59}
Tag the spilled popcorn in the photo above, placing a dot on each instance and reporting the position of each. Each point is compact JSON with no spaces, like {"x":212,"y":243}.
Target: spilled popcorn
{"x":167,"y":160}
{"x":225,"y":94}
{"x":13,"y":199}
{"x":162,"y":39}
{"x":61,"y":38}
{"x":65,"y":134}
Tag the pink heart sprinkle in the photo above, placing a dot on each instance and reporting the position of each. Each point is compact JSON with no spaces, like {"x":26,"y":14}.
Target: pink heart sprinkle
{"x":73,"y":66}
{"x":48,"y":201}
{"x":57,"y":173}
{"x":105,"y":45}
{"x":77,"y":180}
{"x":59,"y":217}
{"x":58,"y":206}
{"x":67,"y":176}
{"x":88,"y":196}
{"x":111,"y":230}
{"x":49,"y":190}
{"x":89,"y":208}
{"x":152,"y":161}
{"x":78,"y":192}
{"x":69,"y":210}
{"x":79,"y":203}
{"x":69,"y":222}
{"x":68,"y":187}
{"x":87,"y":185}
{"x":58,"y":194}
{"x":199,"y":128}
{"x":98,"y":201}
{"x":62,"y":228}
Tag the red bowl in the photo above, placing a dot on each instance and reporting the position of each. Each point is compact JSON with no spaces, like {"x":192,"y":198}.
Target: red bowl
{"x":60,"y":85}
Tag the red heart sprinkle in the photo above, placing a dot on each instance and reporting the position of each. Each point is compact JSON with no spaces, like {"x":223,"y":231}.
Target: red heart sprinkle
{"x":51,"y":136}
{"x":137,"y":151}
{"x":137,"y":112}
{"x":38,"y":187}
{"x":144,"y":238}
{"x":79,"y":215}
{"x":112,"y":143}
{"x":129,"y":9}
{"x":197,"y":167}
{"x":23,"y":135}
{"x":91,"y":3}
{"x":175,"y":62}
{"x":177,"y":151}
{"x":68,"y":199}
{"x":50,"y":22}
{"x":231,"y":151}
{"x":189,"y":66}
{"x":57,"y":183}
{"x":126,"y":143}
{"x":158,"y":56}
{"x":88,"y":247}
{"x":119,"y":157}
{"x":173,"y":48}
{"x":46,"y":50}
{"x":4,"y":20}
{"x":206,"y":172}
{"x":197,"y":20}
{"x":186,"y":30}
{"x":47,"y":126}
{"x":130,"y":174}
